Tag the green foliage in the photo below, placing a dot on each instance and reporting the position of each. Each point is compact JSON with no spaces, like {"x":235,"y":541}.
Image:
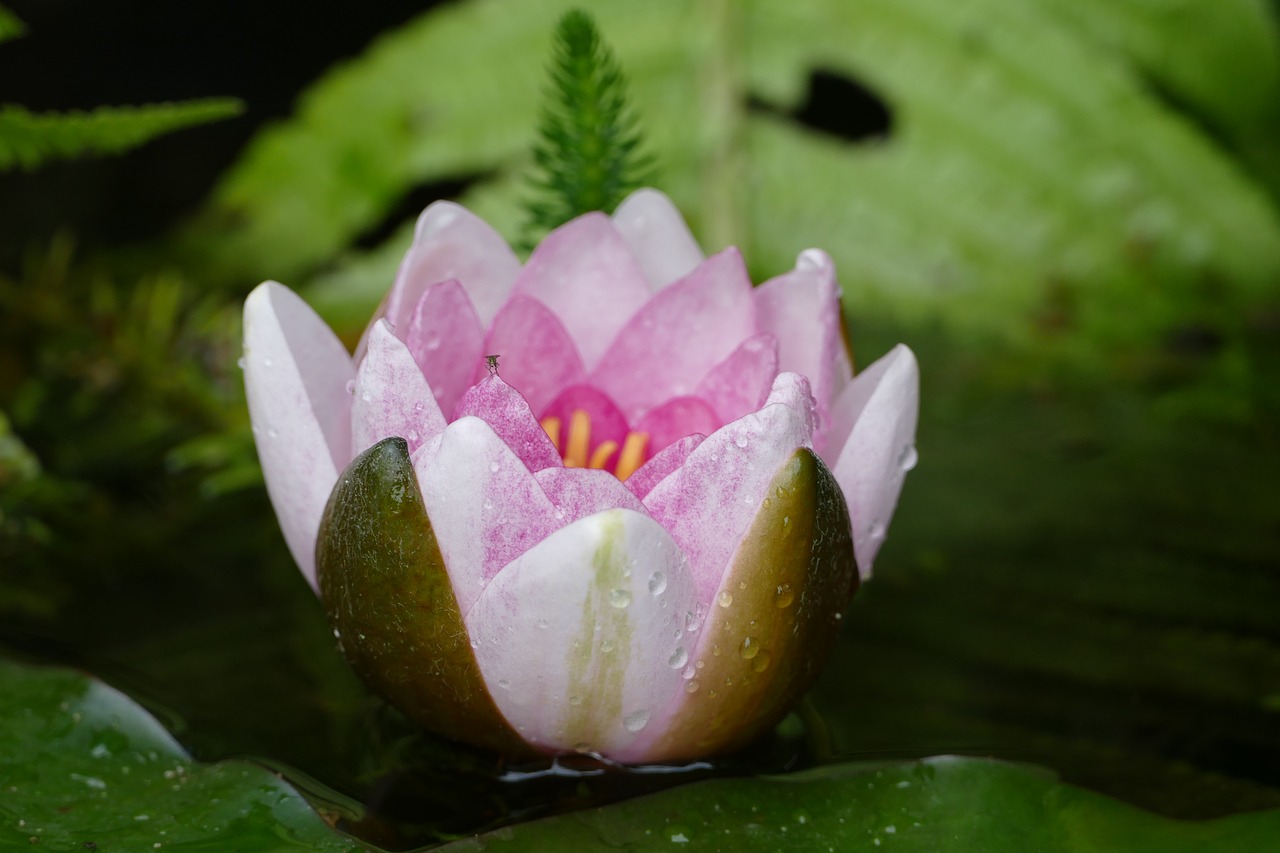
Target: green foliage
{"x":29,"y":139}
{"x":588,"y":149}
{"x":10,"y":26}
{"x":83,"y":767}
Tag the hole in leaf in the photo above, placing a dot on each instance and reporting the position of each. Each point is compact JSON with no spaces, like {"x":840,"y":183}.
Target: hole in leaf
{"x":840,"y":106}
{"x":413,"y":203}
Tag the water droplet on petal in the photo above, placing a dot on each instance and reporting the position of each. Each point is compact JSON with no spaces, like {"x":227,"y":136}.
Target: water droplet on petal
{"x":749,"y":648}
{"x":740,"y":440}
{"x":693,"y":619}
{"x":432,"y":342}
{"x":575,"y":701}
{"x":691,"y":687}
{"x":636,"y":720}
{"x":762,"y":662}
{"x":240,"y":362}
{"x":271,"y":432}
{"x":725,"y":598}
{"x":266,"y":362}
{"x":351,"y":386}
{"x":657,"y":583}
{"x":606,"y":646}
{"x":784,"y":596}
{"x":620,"y":598}
{"x":559,"y":513}
{"x":876,"y":531}
{"x":678,"y":658}
{"x":504,"y":684}
{"x":488,"y":504}
{"x":542,"y":623}
{"x":908,"y":458}
{"x":494,"y":466}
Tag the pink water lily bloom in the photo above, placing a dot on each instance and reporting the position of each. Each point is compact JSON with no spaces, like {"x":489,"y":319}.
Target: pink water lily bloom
{"x":635,"y":533}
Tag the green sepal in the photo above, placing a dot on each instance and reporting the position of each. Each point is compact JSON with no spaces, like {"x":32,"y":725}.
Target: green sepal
{"x":392,"y":606}
{"x":775,"y":617}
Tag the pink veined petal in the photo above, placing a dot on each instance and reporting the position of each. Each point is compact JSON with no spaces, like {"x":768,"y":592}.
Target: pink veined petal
{"x":446,"y":339}
{"x":390,"y":396}
{"x":506,"y":412}
{"x":452,"y":242}
{"x":873,"y":446}
{"x":657,"y":234}
{"x":684,"y":331}
{"x":675,"y":419}
{"x":802,"y":310}
{"x":710,"y":500}
{"x":575,"y":637}
{"x":738,"y":385}
{"x":658,"y":467}
{"x":295,"y":375}
{"x":579,"y":492}
{"x":486,"y":509}
{"x":537,"y":356}
{"x":607,"y":420}
{"x":585,"y":273}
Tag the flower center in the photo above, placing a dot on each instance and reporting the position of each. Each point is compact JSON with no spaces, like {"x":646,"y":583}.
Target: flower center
{"x":578,"y":452}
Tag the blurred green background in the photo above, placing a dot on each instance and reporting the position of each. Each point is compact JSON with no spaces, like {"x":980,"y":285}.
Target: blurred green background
{"x":1071,"y":211}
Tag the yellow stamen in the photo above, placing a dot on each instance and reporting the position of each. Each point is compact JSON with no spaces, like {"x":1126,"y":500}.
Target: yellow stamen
{"x":552,"y":428}
{"x":600,"y":458}
{"x":575,"y":452}
{"x":632,"y":456}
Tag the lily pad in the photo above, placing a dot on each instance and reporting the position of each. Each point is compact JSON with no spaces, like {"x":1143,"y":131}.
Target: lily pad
{"x":943,"y":803}
{"x":83,"y":767}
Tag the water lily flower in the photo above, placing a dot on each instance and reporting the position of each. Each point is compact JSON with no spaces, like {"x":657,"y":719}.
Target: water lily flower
{"x":612,"y":500}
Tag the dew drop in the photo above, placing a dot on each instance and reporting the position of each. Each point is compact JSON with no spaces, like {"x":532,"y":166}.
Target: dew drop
{"x":620,"y":598}
{"x":266,"y":362}
{"x":749,"y":648}
{"x":559,"y":513}
{"x":740,"y":440}
{"x":367,"y":397}
{"x":768,"y":502}
{"x":488,"y":504}
{"x":606,"y":646}
{"x":693,"y":619}
{"x":432,"y":342}
{"x":494,"y":466}
{"x":908,"y":458}
{"x":678,"y":658}
{"x":657,"y":583}
{"x":877,"y":530}
{"x":351,"y":386}
{"x":725,"y":598}
{"x":691,"y":687}
{"x":636,"y":720}
{"x":784,"y":596}
{"x":542,"y":623}
{"x":575,"y":701}
{"x":786,"y":525}
{"x":762,"y":662}
{"x":240,"y":362}
{"x":271,"y":432}
{"x":780,"y":492}
{"x":504,"y":684}
{"x":689,"y":672}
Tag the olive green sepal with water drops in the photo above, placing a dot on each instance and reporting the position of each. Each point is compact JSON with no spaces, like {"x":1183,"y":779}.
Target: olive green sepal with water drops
{"x":384,"y":585}
{"x":775,"y":616}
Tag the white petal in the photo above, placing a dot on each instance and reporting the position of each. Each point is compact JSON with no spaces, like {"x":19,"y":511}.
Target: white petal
{"x":578,"y":638}
{"x":391,"y":396}
{"x":657,"y":234}
{"x":295,"y":376}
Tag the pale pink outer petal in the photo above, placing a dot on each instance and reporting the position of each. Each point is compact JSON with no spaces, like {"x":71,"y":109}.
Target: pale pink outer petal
{"x":710,"y":500}
{"x":295,"y":376}
{"x":446,"y":340}
{"x":802,"y":309}
{"x":873,"y":446}
{"x":508,"y":415}
{"x":536,"y":354}
{"x":577,"y":637}
{"x":738,"y":385}
{"x":579,"y":492}
{"x":657,"y":234}
{"x":675,"y":419}
{"x":391,"y":396}
{"x":585,"y":272}
{"x":485,"y":507}
{"x":684,"y":331}
{"x":452,"y":242}
{"x":671,"y":457}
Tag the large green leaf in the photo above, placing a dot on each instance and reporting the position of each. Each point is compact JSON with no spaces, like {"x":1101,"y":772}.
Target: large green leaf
{"x":936,"y":804}
{"x":1034,"y":178}
{"x":83,"y":767}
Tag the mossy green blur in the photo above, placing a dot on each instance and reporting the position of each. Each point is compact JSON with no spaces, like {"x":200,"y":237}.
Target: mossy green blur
{"x":389,"y":598}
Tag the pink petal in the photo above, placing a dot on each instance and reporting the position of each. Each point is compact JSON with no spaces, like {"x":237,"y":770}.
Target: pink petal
{"x":656,"y":233}
{"x":709,"y":501}
{"x":577,"y":637}
{"x":675,"y":419}
{"x":295,"y":376}
{"x":585,"y":273}
{"x":485,"y":507}
{"x":684,"y":331}
{"x":873,"y":445}
{"x":739,"y":385}
{"x":506,"y":412}
{"x":802,"y":309}
{"x":537,"y":356}
{"x":391,"y":397}
{"x":452,"y":242}
{"x":579,"y":492}
{"x":446,"y":339}
{"x":607,"y":420}
{"x":658,"y":467}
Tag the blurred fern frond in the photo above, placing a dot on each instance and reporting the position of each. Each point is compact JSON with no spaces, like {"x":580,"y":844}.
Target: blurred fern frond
{"x":589,"y":148}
